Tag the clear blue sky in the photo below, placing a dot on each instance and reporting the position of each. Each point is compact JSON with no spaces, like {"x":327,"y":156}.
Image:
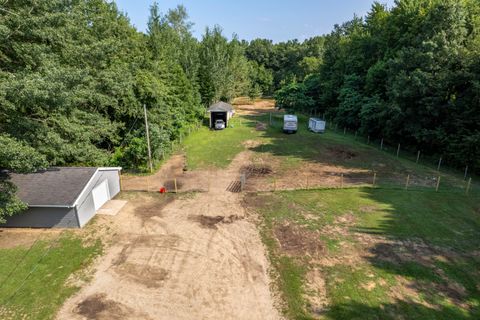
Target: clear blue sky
{"x":279,"y":20}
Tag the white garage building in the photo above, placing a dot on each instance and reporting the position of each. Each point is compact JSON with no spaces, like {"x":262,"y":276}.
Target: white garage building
{"x":64,"y":197}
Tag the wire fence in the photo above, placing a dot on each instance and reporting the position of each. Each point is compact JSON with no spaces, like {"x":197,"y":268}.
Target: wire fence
{"x":273,"y":183}
{"x":439,"y":162}
{"x":457,"y":178}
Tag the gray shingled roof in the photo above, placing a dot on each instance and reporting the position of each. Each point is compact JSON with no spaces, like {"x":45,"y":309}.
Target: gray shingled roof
{"x":220,"y":107}
{"x":53,"y":187}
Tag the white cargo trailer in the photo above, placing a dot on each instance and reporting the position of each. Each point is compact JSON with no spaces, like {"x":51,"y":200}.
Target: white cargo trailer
{"x":316,"y":125}
{"x":290,"y":123}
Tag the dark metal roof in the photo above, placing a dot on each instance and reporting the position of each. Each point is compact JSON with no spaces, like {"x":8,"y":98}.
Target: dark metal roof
{"x":52,"y":187}
{"x":220,"y":107}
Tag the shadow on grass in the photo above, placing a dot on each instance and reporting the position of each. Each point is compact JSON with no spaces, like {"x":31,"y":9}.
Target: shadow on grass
{"x":346,"y":151}
{"x":427,"y":243}
{"x":394,"y":311}
{"x":430,"y":243}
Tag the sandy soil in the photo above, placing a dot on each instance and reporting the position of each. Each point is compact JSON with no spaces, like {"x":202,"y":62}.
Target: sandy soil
{"x":170,"y":172}
{"x":193,"y":256}
{"x":245,"y":107}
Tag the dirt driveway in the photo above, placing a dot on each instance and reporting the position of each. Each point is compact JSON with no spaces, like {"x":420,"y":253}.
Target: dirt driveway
{"x":194,"y":256}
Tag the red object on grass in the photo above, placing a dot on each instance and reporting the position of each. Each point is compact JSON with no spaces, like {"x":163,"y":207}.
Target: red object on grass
{"x":163,"y":190}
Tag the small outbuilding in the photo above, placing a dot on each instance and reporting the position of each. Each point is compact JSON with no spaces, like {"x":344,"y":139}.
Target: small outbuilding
{"x":64,"y":197}
{"x":220,"y":111}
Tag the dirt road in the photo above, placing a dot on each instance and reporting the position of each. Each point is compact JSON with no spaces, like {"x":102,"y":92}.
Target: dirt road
{"x":196,"y":256}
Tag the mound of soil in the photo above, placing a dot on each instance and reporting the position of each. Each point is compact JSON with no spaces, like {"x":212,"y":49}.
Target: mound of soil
{"x":255,"y":170}
{"x":98,"y":307}
{"x":210,"y":222}
{"x":342,"y":153}
{"x":299,"y":242}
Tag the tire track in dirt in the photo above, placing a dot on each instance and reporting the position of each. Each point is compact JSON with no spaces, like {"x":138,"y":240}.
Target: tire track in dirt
{"x":165,"y":263}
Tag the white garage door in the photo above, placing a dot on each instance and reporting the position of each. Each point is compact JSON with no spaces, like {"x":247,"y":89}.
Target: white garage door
{"x":101,"y":194}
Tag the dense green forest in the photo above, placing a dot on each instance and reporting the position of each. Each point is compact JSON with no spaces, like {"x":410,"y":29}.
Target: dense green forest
{"x":74,"y":76}
{"x":409,"y":74}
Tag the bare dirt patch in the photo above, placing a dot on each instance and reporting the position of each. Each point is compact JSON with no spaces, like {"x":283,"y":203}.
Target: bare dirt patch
{"x":149,"y":276}
{"x":257,"y":170}
{"x":246,"y":107}
{"x":150,"y":210}
{"x":211,"y":222}
{"x":11,"y":238}
{"x":99,"y":307}
{"x":160,"y":265}
{"x":316,"y":292}
{"x":297,"y":241}
{"x":173,"y":169}
{"x":341,"y":153}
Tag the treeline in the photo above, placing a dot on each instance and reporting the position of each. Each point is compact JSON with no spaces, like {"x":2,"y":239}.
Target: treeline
{"x":409,"y":74}
{"x":278,"y":64}
{"x":74,"y":76}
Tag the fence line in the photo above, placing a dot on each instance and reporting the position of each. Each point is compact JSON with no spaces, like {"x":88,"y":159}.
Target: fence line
{"x":428,"y":160}
{"x":407,"y":182}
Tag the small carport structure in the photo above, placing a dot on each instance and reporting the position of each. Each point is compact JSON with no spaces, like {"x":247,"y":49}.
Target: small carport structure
{"x":220,"y":111}
{"x":63,"y":197}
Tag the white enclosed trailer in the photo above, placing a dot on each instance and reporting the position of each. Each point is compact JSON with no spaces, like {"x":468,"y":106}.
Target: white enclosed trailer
{"x":290,"y":123}
{"x":316,"y":125}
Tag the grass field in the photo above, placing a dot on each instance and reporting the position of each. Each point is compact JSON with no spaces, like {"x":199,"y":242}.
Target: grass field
{"x":38,"y":285}
{"x":358,"y":253}
{"x":382,"y":254}
{"x":207,"y":148}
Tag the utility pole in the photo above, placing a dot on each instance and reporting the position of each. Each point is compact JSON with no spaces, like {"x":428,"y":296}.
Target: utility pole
{"x":148,"y":139}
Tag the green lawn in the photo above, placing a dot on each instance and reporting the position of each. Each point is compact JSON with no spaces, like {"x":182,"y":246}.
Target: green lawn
{"x":49,"y":263}
{"x":208,"y":148}
{"x":425,"y":239}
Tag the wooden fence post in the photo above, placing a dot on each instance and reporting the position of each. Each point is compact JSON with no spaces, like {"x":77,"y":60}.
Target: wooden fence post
{"x":341,"y":181}
{"x":398,"y":150}
{"x":408,"y":182}
{"x":418,"y":156}
{"x":242,"y":182}
{"x":466,"y":173}
{"x":374,"y":179}
{"x":381,"y":144}
{"x":175,"y":182}
{"x":439,"y":164}
{"x":468,"y":185}
{"x":438,"y":183}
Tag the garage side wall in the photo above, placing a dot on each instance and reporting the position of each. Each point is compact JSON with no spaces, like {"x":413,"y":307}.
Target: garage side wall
{"x":44,"y":218}
{"x":86,"y":206}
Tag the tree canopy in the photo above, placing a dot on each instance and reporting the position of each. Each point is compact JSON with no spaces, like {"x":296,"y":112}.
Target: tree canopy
{"x":74,"y":76}
{"x":409,"y":74}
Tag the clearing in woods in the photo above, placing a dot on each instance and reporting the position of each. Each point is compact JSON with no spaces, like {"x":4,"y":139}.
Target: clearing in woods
{"x":377,"y":253}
